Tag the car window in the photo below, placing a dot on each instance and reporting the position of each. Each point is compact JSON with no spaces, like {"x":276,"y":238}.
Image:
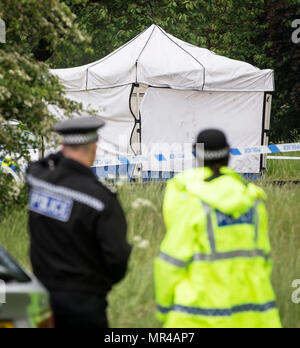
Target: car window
{"x":10,"y":270}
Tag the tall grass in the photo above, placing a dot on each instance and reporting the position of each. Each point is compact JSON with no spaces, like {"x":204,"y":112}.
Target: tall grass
{"x":284,"y":169}
{"x":14,"y":236}
{"x":132,"y":301}
{"x":284,"y":225}
{"x":137,"y":291}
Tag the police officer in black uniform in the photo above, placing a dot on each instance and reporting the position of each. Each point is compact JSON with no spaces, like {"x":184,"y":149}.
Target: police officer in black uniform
{"x":77,"y":228}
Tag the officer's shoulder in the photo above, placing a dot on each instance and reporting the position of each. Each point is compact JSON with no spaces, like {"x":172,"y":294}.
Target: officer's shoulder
{"x":42,"y":166}
{"x":187,"y":177}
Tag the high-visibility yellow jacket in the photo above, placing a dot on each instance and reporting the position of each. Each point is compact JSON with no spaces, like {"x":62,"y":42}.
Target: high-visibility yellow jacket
{"x":214,"y":268}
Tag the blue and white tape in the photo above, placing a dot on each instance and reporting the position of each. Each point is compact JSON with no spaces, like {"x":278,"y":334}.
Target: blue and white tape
{"x":156,"y":158}
{"x":163,"y":158}
{"x":264,"y":150}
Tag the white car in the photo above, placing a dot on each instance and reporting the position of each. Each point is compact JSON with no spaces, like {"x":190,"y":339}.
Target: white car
{"x":24,"y":302}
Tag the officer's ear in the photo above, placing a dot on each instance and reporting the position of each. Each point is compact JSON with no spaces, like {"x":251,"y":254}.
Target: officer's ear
{"x":94,"y":148}
{"x":95,"y":145}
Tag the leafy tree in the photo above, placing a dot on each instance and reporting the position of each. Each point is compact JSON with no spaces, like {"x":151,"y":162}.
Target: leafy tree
{"x":285,"y":57}
{"x":35,"y":28}
{"x":113,"y":23}
{"x":260,"y":32}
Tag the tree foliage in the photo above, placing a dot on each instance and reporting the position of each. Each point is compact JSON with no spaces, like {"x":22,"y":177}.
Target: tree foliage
{"x":35,"y":28}
{"x":285,"y":58}
{"x":26,"y":85}
{"x":256,"y":31}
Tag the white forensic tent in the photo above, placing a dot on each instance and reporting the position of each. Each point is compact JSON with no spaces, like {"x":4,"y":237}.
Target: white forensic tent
{"x":179,"y":89}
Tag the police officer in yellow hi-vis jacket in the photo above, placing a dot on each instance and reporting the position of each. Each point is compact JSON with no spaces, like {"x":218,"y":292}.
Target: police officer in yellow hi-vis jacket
{"x":214,"y":267}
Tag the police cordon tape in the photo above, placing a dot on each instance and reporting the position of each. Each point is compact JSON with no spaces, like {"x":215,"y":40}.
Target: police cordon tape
{"x":264,"y":150}
{"x":161,"y":158}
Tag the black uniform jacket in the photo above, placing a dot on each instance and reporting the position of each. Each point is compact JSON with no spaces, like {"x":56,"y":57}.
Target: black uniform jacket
{"x":77,"y":228}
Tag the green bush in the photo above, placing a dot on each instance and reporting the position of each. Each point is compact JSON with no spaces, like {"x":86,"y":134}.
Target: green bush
{"x":13,"y":195}
{"x":27,"y":87}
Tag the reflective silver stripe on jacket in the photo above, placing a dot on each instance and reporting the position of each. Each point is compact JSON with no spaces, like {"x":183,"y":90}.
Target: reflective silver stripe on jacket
{"x":249,"y":254}
{"x":173,"y":261}
{"x":224,"y":312}
{"x":231,"y":255}
{"x":210,"y":229}
{"x":66,"y":192}
{"x":256,"y":217}
{"x":216,"y":256}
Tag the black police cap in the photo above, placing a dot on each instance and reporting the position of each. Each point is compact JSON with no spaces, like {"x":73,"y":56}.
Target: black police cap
{"x":79,"y":131}
{"x":216,"y":146}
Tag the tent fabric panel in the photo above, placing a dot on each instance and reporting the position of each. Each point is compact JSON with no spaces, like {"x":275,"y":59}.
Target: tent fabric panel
{"x":164,"y":63}
{"x":112,"y":105}
{"x":158,"y":59}
{"x":176,"y":117}
{"x":73,"y":79}
{"x":222,"y":73}
{"x":119,"y":68}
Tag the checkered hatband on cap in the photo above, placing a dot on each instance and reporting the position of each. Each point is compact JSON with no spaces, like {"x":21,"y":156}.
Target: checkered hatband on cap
{"x":79,"y":139}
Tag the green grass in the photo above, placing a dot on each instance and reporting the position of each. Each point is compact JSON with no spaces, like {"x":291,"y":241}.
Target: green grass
{"x":132,"y":301}
{"x":137,"y":290}
{"x":14,"y":236}
{"x":284,"y":221}
{"x":284,"y":169}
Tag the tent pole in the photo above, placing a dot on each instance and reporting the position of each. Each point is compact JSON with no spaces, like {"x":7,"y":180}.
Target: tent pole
{"x":268,"y":112}
{"x":266,"y":127}
{"x":138,"y":108}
